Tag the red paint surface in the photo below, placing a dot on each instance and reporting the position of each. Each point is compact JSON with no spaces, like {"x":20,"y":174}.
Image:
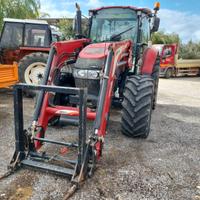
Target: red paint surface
{"x":95,"y":51}
{"x":10,"y":56}
{"x":146,"y":10}
{"x":170,"y":60}
{"x":149,"y":58}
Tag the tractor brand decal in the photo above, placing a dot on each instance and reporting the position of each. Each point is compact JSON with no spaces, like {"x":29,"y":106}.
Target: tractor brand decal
{"x":67,"y":112}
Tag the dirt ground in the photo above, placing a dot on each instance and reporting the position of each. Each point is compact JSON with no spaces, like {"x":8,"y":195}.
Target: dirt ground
{"x":164,"y":166}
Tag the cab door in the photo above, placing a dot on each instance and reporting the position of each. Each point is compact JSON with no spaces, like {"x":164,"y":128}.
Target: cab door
{"x":168,"y":56}
{"x":11,"y":40}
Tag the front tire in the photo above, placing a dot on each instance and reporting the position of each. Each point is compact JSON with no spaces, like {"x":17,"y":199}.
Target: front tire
{"x":137,"y":106}
{"x":168,"y":73}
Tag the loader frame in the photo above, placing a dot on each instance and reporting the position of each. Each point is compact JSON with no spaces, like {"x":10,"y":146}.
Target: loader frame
{"x":33,"y":137}
{"x":25,"y":153}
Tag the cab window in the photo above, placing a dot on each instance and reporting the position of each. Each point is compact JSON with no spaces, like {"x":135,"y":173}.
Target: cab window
{"x":145,"y":29}
{"x":113,"y":21}
{"x":12,"y":35}
{"x":36,"y":35}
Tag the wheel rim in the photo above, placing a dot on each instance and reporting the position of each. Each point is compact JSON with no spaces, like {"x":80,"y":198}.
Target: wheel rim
{"x":34,"y":73}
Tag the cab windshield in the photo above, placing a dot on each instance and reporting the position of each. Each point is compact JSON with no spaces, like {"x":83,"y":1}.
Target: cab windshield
{"x":113,"y":21}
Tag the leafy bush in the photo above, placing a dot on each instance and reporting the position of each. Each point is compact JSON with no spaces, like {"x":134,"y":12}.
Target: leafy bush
{"x":20,"y":9}
{"x":191,"y":50}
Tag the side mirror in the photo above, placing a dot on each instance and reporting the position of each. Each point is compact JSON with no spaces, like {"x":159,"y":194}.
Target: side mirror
{"x":167,"y":53}
{"x":155,"y":24}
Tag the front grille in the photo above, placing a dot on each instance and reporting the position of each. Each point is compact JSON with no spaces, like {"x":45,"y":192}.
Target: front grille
{"x":93,"y":86}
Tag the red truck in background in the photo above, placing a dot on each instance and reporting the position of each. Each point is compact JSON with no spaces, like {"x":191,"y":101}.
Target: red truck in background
{"x":172,"y":66}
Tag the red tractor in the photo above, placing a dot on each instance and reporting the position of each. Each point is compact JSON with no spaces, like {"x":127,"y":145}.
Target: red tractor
{"x":26,"y":42}
{"x":83,"y":77}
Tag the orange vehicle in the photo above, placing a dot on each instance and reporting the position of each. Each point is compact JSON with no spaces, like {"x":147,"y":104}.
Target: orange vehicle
{"x":8,"y":75}
{"x":172,"y":66}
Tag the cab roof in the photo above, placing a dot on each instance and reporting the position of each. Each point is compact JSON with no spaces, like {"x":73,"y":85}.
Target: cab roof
{"x":144,"y":10}
{"x":26,"y":21}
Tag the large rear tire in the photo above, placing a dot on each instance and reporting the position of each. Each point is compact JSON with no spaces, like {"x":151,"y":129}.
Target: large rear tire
{"x":137,"y":106}
{"x":31,"y":69}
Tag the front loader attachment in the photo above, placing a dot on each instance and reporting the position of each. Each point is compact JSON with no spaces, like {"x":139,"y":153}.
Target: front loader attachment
{"x":26,"y":153}
{"x":88,"y":148}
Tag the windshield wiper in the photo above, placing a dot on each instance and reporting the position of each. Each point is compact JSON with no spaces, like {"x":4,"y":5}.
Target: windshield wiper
{"x":119,"y":34}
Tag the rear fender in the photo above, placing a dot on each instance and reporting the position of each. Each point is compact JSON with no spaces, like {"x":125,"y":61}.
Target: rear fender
{"x":23,"y":51}
{"x":149,"y":58}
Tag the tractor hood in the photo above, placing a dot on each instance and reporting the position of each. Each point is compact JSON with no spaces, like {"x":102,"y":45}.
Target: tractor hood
{"x":88,"y":67}
{"x":95,"y":51}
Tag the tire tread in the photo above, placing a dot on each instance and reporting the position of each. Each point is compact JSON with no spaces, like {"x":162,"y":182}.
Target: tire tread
{"x":137,"y":106}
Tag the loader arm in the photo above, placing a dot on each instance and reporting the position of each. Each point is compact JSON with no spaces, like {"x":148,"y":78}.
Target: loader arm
{"x":119,"y":56}
{"x":60,"y":52}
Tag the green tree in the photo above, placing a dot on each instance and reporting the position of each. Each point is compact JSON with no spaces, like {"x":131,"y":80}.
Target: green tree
{"x":20,"y":9}
{"x":190,"y":50}
{"x":164,"y":38}
{"x":66,"y":27}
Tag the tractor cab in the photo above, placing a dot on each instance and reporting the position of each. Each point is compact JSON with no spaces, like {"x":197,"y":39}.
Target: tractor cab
{"x":119,"y":23}
{"x":113,"y":24}
{"x":31,"y":33}
{"x":19,"y":33}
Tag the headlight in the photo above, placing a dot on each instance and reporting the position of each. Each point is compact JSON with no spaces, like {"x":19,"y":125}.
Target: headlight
{"x":79,"y":73}
{"x":86,"y":74}
{"x":82,"y":73}
{"x":93,"y":74}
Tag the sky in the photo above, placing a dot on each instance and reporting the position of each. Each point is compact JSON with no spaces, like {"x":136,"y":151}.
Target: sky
{"x":179,"y":16}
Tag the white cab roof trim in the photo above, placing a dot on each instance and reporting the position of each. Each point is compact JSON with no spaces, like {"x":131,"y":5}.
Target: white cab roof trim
{"x":30,"y":21}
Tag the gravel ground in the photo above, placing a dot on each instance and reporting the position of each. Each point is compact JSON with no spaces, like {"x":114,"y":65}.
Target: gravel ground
{"x":164,"y":166}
